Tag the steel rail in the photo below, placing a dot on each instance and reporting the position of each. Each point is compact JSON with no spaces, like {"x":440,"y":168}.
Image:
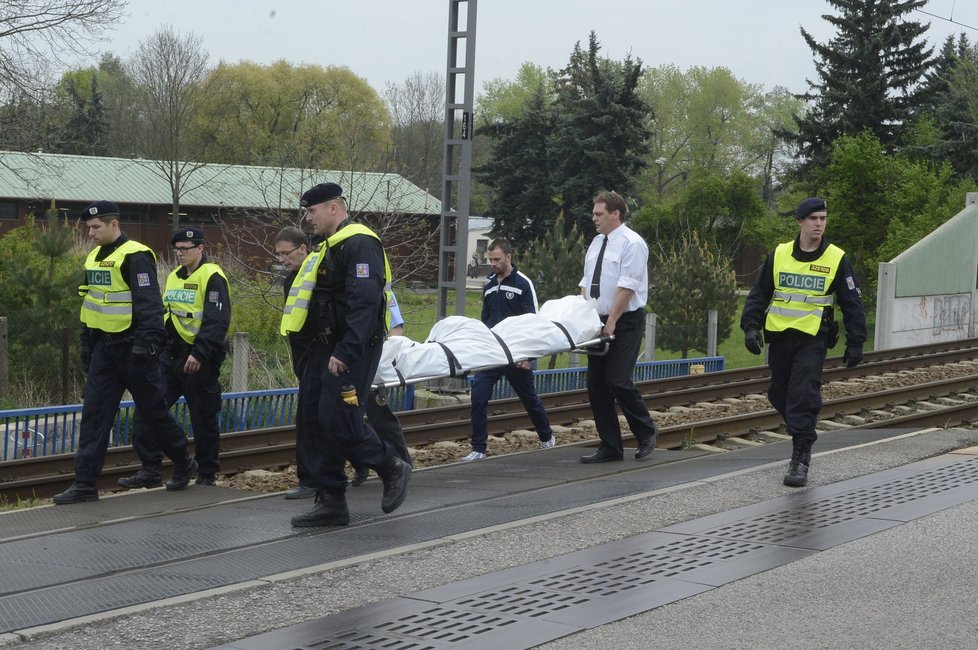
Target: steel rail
{"x":274,"y":447}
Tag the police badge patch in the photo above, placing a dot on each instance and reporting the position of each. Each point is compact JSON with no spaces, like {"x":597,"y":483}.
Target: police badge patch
{"x":142,"y":279}
{"x":363,"y":270}
{"x":212,"y":296}
{"x":850,"y":282}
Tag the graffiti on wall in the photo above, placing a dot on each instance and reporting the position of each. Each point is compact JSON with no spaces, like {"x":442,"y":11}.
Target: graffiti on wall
{"x":931,"y":319}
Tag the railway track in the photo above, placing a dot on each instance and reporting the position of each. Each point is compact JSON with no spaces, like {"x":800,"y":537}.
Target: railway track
{"x":947,"y":402}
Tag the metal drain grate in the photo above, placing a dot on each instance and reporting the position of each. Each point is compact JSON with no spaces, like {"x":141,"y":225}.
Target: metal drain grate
{"x":516,"y":600}
{"x":446,"y":625}
{"x":525,"y":606}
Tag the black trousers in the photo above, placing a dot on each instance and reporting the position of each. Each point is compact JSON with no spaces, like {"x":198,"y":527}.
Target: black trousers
{"x":796,"y":381}
{"x":112,"y":371}
{"x":609,"y":380}
{"x":328,"y":430}
{"x":202,"y":391}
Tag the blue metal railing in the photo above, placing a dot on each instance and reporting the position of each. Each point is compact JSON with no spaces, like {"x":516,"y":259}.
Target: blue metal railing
{"x":554,"y":381}
{"x":44,"y":431}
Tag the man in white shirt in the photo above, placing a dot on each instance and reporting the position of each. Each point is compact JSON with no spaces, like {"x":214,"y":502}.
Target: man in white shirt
{"x":616,"y":276}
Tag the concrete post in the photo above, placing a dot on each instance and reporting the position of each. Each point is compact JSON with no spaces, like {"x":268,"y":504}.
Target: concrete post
{"x":711,"y":333}
{"x":649,"y":354}
{"x":885,"y":295}
{"x":239,"y":358}
{"x":971,"y":198}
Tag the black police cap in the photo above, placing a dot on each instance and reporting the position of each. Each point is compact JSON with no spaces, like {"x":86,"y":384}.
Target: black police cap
{"x":99,"y":209}
{"x":808,"y":206}
{"x":320,"y":194}
{"x":189,"y":233}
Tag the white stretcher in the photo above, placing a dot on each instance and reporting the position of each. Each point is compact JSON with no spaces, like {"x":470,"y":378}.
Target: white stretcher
{"x":458,"y":345}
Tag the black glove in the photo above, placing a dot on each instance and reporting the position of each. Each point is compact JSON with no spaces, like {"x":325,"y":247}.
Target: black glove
{"x":753,"y":341}
{"x":853,"y":356}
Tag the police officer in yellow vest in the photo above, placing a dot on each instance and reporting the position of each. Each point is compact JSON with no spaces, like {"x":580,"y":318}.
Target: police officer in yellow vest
{"x":122,"y":333}
{"x":793,"y":299}
{"x":197,"y":315}
{"x":338,"y":296}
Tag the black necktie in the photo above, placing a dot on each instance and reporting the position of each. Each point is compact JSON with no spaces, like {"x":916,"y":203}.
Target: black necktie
{"x":596,"y":278}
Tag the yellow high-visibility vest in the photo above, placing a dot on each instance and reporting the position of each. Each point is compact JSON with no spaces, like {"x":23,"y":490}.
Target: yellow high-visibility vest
{"x":106,"y":295}
{"x":801,"y":289}
{"x":300,"y":294}
{"x":183,"y":299}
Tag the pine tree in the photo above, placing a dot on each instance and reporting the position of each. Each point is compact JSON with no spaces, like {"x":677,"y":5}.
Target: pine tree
{"x":555,"y":263}
{"x":690,"y":281}
{"x":602,"y":134}
{"x":868,"y":76}
{"x":520,"y":173}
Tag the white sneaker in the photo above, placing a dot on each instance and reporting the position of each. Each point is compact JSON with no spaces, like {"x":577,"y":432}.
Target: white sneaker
{"x":474,"y":455}
{"x":547,"y":444}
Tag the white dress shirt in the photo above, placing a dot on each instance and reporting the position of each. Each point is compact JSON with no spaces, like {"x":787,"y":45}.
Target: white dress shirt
{"x":625,"y":264}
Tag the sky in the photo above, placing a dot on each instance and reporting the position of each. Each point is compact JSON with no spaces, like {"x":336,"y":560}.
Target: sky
{"x":387,"y":41}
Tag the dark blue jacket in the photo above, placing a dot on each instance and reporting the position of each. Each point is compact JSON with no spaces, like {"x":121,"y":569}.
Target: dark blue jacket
{"x":515,"y":295}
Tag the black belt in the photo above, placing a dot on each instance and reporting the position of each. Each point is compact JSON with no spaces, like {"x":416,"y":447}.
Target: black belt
{"x":115,"y":337}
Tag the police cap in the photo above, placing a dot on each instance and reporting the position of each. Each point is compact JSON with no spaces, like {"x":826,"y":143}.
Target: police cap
{"x":99,"y":209}
{"x":191,"y":234}
{"x":320,"y":194}
{"x":808,"y":206}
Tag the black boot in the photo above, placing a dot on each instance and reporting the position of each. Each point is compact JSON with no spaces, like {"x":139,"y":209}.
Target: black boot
{"x":144,"y":478}
{"x":328,"y":510}
{"x":801,"y":458}
{"x":76,"y":494}
{"x":182,"y":475}
{"x":395,"y":474}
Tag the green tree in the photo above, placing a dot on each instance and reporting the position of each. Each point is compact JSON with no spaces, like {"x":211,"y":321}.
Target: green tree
{"x":601,"y":133}
{"x":281,"y":115}
{"x":555,"y":262}
{"x":858,"y":185}
{"x":39,"y":277}
{"x":867,"y":76}
{"x":521,"y":173}
{"x":690,"y":280}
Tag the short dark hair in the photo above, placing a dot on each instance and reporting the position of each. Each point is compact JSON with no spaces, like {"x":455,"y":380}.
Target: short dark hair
{"x":292,"y":235}
{"x":502,"y":244}
{"x":613,"y":201}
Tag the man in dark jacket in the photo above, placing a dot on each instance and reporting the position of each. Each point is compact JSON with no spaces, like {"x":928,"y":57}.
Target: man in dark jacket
{"x":341,"y":288}
{"x":197,"y":304}
{"x":793,"y":299}
{"x":122,"y":333}
{"x":507,"y":293}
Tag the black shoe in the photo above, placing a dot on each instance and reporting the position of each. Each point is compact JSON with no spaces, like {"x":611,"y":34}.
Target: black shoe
{"x":182,"y":475}
{"x":801,"y":458}
{"x":329,"y":510}
{"x":600,"y":456}
{"x":300,"y":492}
{"x":646,"y":446}
{"x":205,"y":480}
{"x":144,"y":478}
{"x":360,"y":477}
{"x":76,"y":494}
{"x":797,"y":475}
{"x":395,"y":474}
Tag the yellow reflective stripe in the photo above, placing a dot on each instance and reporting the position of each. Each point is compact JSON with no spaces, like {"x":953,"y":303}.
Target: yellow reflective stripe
{"x":798,"y":297}
{"x":107,"y":309}
{"x":115,"y":296}
{"x":795,"y":313}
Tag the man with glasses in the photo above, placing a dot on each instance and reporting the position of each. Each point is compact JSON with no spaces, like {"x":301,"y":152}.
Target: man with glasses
{"x":122,"y":329}
{"x":197,"y":315}
{"x":291,"y":248}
